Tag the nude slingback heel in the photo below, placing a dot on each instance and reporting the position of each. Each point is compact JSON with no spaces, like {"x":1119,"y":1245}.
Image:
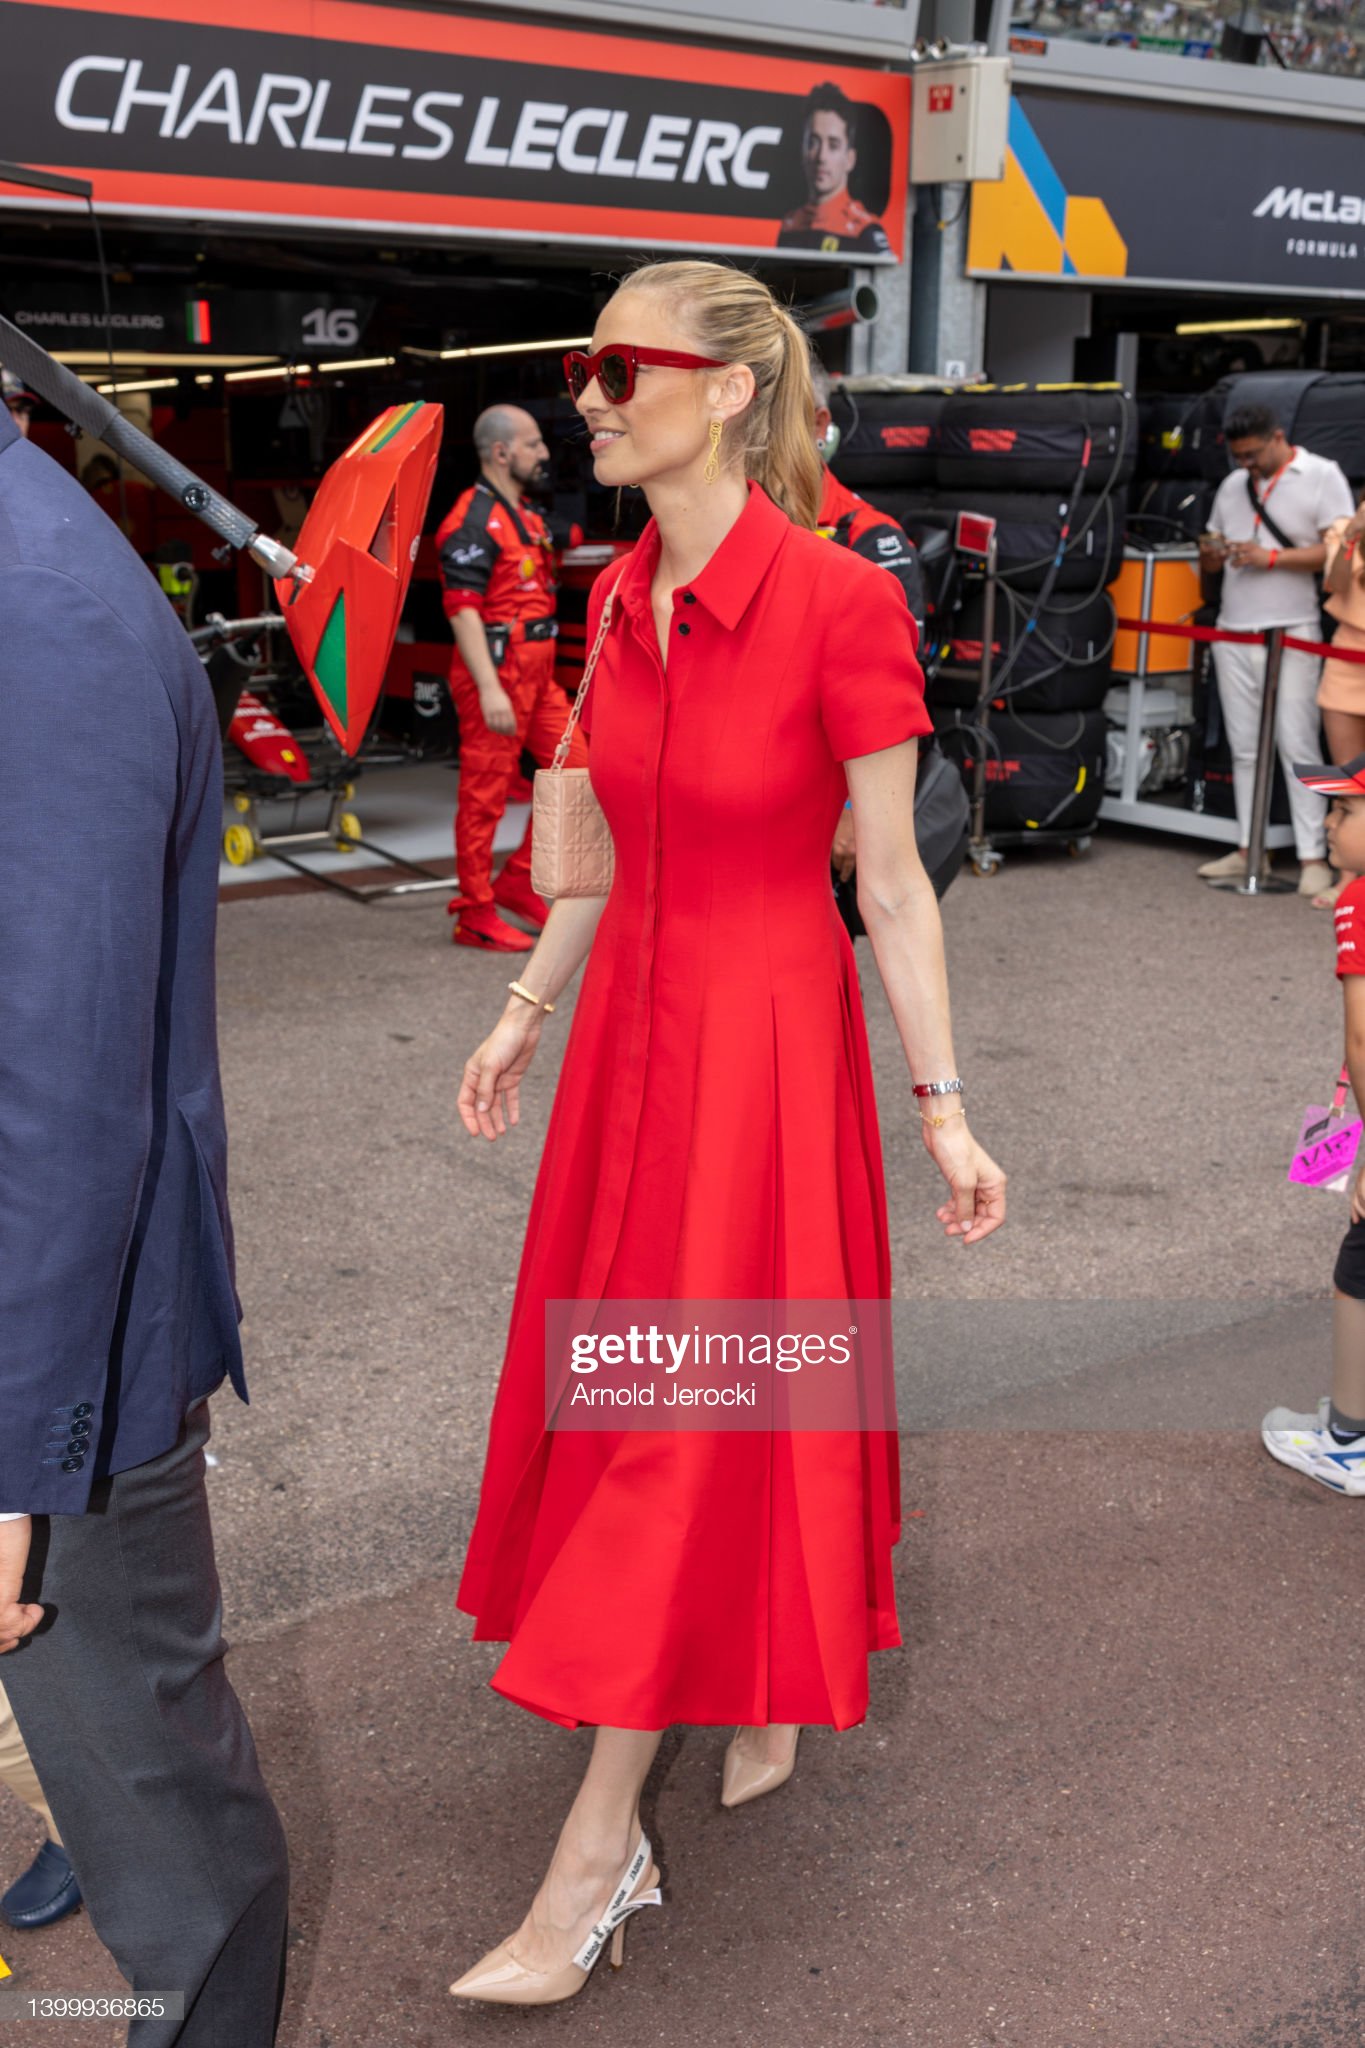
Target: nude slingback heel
{"x":743,"y":1778}
{"x":500,"y":1979}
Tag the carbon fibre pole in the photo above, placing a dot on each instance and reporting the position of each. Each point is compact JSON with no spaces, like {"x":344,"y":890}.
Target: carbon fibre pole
{"x":96,"y":416}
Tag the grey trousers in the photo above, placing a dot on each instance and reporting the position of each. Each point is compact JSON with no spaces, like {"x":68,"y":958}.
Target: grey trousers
{"x":145,"y":1754}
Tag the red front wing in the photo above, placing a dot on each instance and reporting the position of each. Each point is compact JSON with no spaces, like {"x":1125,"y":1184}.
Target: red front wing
{"x":361,"y":536}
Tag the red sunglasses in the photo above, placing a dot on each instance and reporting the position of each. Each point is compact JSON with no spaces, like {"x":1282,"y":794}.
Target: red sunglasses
{"x":614,"y":368}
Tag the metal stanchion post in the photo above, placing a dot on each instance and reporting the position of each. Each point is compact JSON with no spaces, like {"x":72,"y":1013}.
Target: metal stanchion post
{"x":1253,"y":883}
{"x":983,"y":856}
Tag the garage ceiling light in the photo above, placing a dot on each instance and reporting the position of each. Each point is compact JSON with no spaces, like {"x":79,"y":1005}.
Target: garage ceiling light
{"x":152,"y":359}
{"x":512,"y":348}
{"x":142,"y":384}
{"x":1234,"y":326}
{"x":273,"y":370}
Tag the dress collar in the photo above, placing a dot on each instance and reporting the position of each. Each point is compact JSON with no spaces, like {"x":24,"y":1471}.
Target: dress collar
{"x":726,"y":586}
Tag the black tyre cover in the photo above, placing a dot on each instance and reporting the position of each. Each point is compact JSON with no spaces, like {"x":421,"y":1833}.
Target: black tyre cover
{"x":1030,"y":528}
{"x":1174,"y":510}
{"x":887,"y":437}
{"x":1283,"y":391}
{"x":1171,"y":431}
{"x":917,"y":506}
{"x":1331,"y":422}
{"x":1043,"y":773}
{"x":1035,"y":440}
{"x":1057,"y":660}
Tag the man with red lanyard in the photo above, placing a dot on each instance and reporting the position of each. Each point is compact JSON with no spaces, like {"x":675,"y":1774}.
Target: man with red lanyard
{"x":498,"y":571}
{"x":1266,"y":535}
{"x":851,"y":522}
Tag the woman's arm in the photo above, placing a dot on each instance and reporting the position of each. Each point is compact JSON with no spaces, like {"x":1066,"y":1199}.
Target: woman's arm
{"x":898,"y":906}
{"x":492,"y":1073}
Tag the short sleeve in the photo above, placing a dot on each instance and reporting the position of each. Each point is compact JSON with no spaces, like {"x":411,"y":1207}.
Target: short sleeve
{"x":1335,"y":500}
{"x":871,"y":684}
{"x":467,"y":556}
{"x":1349,"y":918}
{"x":1220,"y":512}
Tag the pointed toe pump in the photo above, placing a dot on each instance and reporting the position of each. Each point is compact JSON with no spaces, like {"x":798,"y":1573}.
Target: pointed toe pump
{"x":500,"y":1979}
{"x":743,"y":1778}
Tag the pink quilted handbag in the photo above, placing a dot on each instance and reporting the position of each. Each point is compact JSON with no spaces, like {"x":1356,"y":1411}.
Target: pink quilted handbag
{"x":571,"y":850}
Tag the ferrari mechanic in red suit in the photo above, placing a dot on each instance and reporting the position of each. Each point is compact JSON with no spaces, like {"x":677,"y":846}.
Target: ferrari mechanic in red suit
{"x":497,"y":569}
{"x":714,"y":1130}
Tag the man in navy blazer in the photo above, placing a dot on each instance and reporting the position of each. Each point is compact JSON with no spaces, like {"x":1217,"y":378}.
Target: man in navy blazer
{"x":118,"y":1312}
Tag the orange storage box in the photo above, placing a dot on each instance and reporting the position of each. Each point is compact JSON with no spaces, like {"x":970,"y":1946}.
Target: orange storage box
{"x":1162,"y":586}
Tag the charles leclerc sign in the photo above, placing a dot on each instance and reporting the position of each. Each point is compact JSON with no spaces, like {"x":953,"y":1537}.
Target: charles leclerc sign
{"x":322,"y":112}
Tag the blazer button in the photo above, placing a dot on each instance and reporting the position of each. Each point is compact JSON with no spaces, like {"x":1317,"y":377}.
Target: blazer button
{"x":77,"y":1447}
{"x":72,"y":1464}
{"x":684,"y":630}
{"x":84,"y":1409}
{"x":80,"y":1429}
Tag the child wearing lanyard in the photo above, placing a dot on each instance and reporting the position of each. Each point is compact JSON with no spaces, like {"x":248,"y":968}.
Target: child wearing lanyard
{"x":1330,"y":1446}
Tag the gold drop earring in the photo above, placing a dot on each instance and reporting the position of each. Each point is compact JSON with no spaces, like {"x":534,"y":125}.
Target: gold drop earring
{"x":712,"y":469}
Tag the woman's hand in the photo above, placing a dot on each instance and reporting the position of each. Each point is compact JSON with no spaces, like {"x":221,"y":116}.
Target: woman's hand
{"x":841,"y":853}
{"x":977,"y":1184}
{"x":492,"y":1074}
{"x":1358,"y":1197}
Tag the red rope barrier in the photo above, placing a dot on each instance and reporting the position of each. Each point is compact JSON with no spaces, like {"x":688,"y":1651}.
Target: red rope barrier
{"x":1213,"y":633}
{"x":1190,"y":632}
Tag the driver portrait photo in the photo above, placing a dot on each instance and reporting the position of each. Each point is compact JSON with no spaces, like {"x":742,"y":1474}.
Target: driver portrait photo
{"x":831,"y":219}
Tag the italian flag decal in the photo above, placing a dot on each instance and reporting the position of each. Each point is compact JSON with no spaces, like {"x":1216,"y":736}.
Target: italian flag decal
{"x":198,"y":326}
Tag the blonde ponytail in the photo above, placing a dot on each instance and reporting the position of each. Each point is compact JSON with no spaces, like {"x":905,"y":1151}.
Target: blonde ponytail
{"x":735,"y":317}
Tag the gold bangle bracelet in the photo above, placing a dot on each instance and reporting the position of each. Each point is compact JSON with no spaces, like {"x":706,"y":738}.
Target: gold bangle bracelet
{"x":527,"y":997}
{"x":945,"y":1118}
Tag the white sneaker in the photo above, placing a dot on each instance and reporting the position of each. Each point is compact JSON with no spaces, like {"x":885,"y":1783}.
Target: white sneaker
{"x":1306,"y":1443}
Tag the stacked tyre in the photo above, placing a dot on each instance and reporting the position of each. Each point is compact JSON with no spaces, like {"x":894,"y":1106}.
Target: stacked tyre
{"x":1043,"y":660}
{"x":1179,"y":439}
{"x":888,"y":440}
{"x":1319,"y":410}
{"x":1044,"y":770}
{"x":1051,"y":466}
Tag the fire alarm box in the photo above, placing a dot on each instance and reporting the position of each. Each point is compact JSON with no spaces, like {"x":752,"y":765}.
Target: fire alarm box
{"x":959,"y":121}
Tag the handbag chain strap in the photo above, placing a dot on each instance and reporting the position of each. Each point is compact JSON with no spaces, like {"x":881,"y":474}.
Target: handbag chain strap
{"x":562,"y":750}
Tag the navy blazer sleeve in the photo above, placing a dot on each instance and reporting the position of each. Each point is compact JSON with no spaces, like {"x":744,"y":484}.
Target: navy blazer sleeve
{"x":88,"y":800}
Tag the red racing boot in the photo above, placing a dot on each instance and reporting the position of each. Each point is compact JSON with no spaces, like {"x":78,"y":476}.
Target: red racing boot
{"x":478,"y":924}
{"x":512,"y":891}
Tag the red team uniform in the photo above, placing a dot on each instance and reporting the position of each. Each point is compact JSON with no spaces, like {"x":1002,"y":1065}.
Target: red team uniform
{"x":853,"y":523}
{"x":496,"y":559}
{"x":1348,"y":914}
{"x":839,"y":222}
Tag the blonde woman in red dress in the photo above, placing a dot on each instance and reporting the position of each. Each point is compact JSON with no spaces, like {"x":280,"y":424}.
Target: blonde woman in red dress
{"x":714,"y":1131}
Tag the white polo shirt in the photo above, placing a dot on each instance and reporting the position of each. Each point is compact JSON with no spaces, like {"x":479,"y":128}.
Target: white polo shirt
{"x":1306,"y":496}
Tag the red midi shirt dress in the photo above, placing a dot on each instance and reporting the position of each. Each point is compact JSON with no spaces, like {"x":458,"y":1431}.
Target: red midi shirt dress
{"x":714,"y":1134}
